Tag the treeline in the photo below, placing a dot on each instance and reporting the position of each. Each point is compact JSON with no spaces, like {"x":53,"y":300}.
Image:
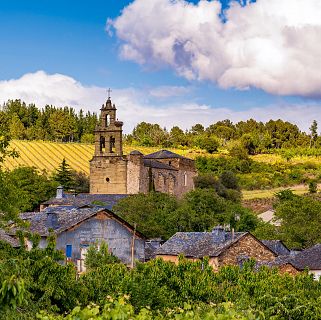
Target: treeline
{"x":253,"y":136}
{"x":22,"y":121}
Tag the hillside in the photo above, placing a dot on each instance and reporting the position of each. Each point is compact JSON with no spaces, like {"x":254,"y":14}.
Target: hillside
{"x":45,"y":155}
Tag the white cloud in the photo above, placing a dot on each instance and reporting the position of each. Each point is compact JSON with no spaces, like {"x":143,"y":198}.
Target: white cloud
{"x":135,"y":106}
{"x":271,"y":44}
{"x":169,"y":91}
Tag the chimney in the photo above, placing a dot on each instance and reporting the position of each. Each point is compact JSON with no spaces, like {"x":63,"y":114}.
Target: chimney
{"x":60,"y":192}
{"x":218,"y":233}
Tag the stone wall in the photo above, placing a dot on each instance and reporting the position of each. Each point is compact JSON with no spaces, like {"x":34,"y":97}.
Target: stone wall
{"x":247,"y":246}
{"x":108,"y":175}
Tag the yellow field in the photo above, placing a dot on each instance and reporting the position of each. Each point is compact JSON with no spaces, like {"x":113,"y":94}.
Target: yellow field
{"x":47,"y":156}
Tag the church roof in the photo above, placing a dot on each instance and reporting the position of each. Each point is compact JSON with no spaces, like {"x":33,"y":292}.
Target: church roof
{"x":158,"y":165}
{"x":164,"y":154}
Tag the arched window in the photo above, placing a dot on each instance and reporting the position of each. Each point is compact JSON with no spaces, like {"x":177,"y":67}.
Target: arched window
{"x":107,"y":120}
{"x":102,"y":144}
{"x":185,"y":179}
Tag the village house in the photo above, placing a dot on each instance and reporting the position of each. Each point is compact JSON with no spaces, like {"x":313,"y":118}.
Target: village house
{"x":78,"y":228}
{"x":222,"y":247}
{"x":310,"y":259}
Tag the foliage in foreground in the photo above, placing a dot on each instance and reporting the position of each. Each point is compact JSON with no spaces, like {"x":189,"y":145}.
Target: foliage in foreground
{"x":154,"y":289}
{"x":121,"y":309}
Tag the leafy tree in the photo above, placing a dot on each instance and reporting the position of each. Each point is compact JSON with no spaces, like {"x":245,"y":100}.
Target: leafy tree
{"x":150,"y":212}
{"x":31,"y":186}
{"x":208,"y":143}
{"x":63,"y":175}
{"x":300,"y":220}
{"x":177,"y":137}
{"x":313,"y":133}
{"x":16,"y":128}
{"x":99,"y":257}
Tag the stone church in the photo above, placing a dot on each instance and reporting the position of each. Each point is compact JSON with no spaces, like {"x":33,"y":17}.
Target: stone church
{"x":112,"y":172}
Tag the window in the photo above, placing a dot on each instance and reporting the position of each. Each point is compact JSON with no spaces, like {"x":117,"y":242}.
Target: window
{"x":185,"y":179}
{"x":68,"y":250}
{"x":107,"y":120}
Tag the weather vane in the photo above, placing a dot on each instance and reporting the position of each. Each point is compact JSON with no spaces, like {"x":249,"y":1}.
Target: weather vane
{"x":109,"y":91}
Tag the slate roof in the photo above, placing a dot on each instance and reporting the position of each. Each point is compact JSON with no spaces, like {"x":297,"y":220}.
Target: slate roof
{"x":60,"y":219}
{"x":164,"y":154}
{"x":309,"y":258}
{"x":279,"y":261}
{"x":180,"y":242}
{"x":198,"y":244}
{"x":136,"y":153}
{"x":277,"y":246}
{"x":82,"y":199}
{"x":9,"y":239}
{"x":158,"y":165}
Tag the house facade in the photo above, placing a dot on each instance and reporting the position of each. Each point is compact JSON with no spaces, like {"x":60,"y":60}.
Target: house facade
{"x":78,"y":228}
{"x":112,"y":172}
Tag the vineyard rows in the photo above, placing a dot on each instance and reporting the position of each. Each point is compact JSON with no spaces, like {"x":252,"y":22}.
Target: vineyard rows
{"x":45,"y":155}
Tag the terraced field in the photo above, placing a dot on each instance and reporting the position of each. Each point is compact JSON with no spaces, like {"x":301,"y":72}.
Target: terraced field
{"x":47,"y":156}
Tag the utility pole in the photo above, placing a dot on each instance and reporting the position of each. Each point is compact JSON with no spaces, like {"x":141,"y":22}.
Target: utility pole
{"x":133,"y":248}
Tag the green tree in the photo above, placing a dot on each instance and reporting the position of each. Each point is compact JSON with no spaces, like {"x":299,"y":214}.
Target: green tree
{"x":97,"y":257}
{"x":16,"y":127}
{"x":208,"y":143}
{"x":300,"y":218}
{"x":32,"y":187}
{"x":150,"y":212}
{"x":313,"y":133}
{"x":63,"y":175}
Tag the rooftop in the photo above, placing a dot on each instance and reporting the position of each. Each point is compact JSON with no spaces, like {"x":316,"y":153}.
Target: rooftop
{"x":199,"y":244}
{"x":164,"y":154}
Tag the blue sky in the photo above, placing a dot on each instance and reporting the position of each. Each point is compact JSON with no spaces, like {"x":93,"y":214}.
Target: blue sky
{"x":70,"y":38}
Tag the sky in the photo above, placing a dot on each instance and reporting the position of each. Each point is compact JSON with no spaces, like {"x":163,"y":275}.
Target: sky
{"x":168,"y":62}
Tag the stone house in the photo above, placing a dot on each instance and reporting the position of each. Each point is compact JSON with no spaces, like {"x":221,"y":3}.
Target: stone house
{"x":78,"y":228}
{"x":111,"y":172}
{"x":310,"y":259}
{"x":223,"y":248}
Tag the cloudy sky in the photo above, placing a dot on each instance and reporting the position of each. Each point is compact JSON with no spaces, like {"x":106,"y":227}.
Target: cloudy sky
{"x":167,"y":61}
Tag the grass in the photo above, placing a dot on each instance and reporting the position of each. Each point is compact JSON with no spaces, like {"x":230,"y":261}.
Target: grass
{"x":260,"y":194}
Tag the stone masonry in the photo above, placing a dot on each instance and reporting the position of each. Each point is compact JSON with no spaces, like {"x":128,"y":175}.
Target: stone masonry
{"x":111,"y":172}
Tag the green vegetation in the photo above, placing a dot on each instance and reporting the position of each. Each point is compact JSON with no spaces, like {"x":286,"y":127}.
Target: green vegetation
{"x":213,"y":202}
{"x":153,"y":290}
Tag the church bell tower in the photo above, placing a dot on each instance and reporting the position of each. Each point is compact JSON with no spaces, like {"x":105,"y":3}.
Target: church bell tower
{"x":108,"y":167}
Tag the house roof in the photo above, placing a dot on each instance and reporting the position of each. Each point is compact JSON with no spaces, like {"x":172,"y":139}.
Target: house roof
{"x":278,"y":262}
{"x":164,"y":154}
{"x":198,"y":244}
{"x":62,"y":218}
{"x":9,"y":239}
{"x":309,"y":258}
{"x":277,"y":246}
{"x":82,"y":199}
{"x":179,"y":243}
{"x":158,"y":165}
{"x":211,"y":247}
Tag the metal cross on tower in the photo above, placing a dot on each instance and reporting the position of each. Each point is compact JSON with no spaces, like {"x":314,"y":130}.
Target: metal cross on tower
{"x":109,"y":91}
